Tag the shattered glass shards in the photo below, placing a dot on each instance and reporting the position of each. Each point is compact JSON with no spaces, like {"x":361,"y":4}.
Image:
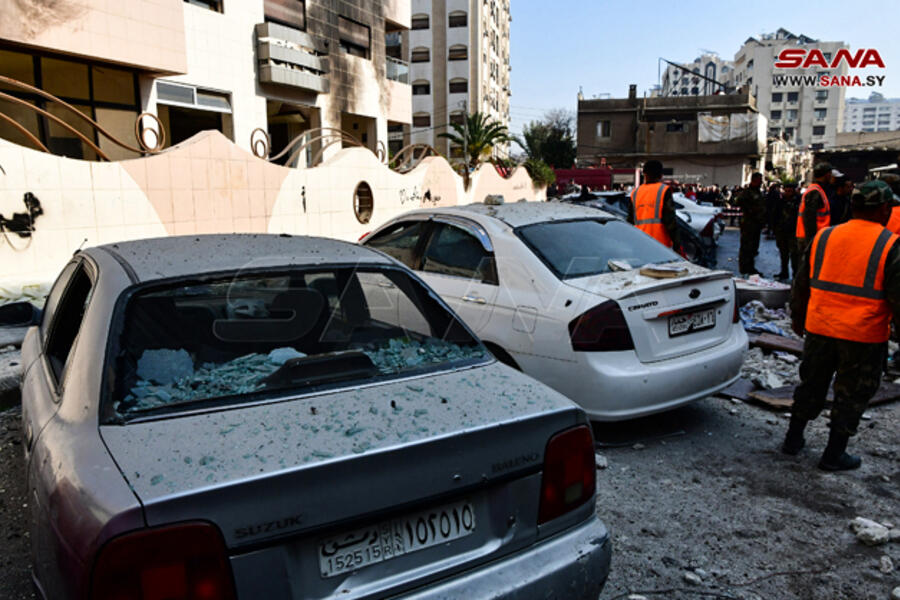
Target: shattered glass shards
{"x":169,"y":377}
{"x":399,"y":354}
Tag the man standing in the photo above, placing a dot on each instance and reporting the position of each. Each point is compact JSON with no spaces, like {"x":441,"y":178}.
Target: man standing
{"x":753,"y":219}
{"x":840,"y":199}
{"x":845,"y":295}
{"x":785,"y":226}
{"x":773,"y":206}
{"x":651,"y":209}
{"x":815,"y":211}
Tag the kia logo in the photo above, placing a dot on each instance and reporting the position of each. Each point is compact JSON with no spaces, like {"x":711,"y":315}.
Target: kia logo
{"x":695,"y":293}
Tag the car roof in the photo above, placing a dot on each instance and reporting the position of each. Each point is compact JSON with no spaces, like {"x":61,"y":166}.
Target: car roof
{"x":518,"y":214}
{"x":180,"y":256}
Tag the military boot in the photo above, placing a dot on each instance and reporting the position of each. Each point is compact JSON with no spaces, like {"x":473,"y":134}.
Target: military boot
{"x":835,"y":457}
{"x":793,"y":441}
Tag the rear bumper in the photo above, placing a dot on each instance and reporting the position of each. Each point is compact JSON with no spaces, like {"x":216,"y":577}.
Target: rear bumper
{"x":617,"y":386}
{"x":573,"y":564}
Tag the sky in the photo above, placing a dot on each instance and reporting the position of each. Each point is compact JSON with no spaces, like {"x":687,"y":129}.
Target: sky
{"x":603,"y":46}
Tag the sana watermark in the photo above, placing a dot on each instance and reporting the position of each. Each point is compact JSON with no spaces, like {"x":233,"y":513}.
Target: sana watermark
{"x":801,"y":58}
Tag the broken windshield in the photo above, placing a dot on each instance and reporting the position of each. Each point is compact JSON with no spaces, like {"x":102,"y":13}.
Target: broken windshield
{"x":217,"y":341}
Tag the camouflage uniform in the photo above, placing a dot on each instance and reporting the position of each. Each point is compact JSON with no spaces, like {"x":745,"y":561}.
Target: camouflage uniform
{"x":753,"y":219}
{"x":814,"y":202}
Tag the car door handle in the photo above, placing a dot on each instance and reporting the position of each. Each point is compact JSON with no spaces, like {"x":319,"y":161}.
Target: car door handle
{"x":474,"y":299}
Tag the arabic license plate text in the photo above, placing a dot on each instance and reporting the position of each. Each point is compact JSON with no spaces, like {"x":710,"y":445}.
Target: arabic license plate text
{"x":389,"y":539}
{"x":691,"y":322}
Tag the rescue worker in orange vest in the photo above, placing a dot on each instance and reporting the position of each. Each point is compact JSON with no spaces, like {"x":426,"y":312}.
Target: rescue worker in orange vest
{"x":815,"y":210}
{"x":651,"y":209}
{"x":844,"y":297}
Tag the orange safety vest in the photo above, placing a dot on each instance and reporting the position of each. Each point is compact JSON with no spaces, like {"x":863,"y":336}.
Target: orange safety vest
{"x":823,"y":215}
{"x":846,"y":299}
{"x":894,"y":224}
{"x":647,"y":201}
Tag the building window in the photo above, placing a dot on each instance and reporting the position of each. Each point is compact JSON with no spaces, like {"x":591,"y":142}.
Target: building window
{"x":421,"y":120}
{"x":820,"y":114}
{"x":775,"y":115}
{"x":777,"y":97}
{"x":355,"y":38}
{"x":817,"y":146}
{"x":456,"y":151}
{"x":214,"y":5}
{"x":684,"y":91}
{"x":789,"y":133}
{"x":419,"y":22}
{"x":106,"y":94}
{"x":458,"y":19}
{"x":792,"y":115}
{"x":827,"y":56}
{"x":458,"y":52}
{"x":421,"y":88}
{"x":793,"y":97}
{"x":363,"y":202}
{"x":603,"y":129}
{"x":457,"y":118}
{"x":420,"y":55}
{"x":818,"y":130}
{"x":749,"y":64}
{"x":287,"y":12}
{"x":695,"y":91}
{"x":459,"y":86}
{"x":674,"y":127}
{"x":185,"y":110}
{"x":821,"y":95}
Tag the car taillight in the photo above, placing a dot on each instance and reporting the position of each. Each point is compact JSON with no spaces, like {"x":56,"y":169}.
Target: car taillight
{"x":180,"y":562}
{"x":363,"y":236}
{"x":569,"y":470}
{"x":601,"y":329}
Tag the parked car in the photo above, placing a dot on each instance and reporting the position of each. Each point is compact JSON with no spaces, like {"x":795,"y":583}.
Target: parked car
{"x":221,"y":417}
{"x":702,"y":218}
{"x":700,"y":250}
{"x":556,"y":290}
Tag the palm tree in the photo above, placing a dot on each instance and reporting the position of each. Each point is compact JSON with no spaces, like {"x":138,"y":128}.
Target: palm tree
{"x":477,"y":135}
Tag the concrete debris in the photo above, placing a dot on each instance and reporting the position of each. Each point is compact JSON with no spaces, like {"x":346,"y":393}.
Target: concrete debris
{"x":636,"y":597}
{"x":701,"y":573}
{"x":639,"y":446}
{"x":894,"y":535}
{"x":769,"y":371}
{"x":602,"y":461}
{"x":869,"y":532}
{"x":886,"y":565}
{"x":757,"y":318}
{"x":692,"y":578}
{"x":895,"y":594}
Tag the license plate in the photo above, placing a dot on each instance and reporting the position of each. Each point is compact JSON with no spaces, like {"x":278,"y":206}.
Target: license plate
{"x":389,"y":539}
{"x":691,"y":322}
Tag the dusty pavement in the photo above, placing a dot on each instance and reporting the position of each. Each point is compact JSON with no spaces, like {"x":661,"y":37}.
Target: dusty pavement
{"x":705,"y":488}
{"x":15,"y":582}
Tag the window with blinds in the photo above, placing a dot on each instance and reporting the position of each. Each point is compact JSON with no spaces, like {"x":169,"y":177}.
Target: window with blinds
{"x":355,"y":38}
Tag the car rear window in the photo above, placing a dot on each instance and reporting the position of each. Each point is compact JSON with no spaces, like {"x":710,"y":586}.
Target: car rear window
{"x":242,"y":337}
{"x":587,"y":247}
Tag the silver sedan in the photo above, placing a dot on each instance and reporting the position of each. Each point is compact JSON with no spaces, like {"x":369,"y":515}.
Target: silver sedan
{"x":223,"y":417}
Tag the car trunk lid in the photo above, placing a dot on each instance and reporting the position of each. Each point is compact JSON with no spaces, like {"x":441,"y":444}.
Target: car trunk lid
{"x":669,"y":317}
{"x":291,"y":482}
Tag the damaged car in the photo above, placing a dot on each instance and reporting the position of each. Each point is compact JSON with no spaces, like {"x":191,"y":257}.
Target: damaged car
{"x":579,"y":300}
{"x":223,"y":417}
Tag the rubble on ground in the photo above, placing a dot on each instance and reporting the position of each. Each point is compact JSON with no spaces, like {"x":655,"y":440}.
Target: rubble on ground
{"x":869,"y":532}
{"x":755,"y":317}
{"x":770,"y":371}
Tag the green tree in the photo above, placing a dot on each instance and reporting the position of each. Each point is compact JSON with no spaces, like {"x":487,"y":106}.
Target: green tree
{"x":551,"y":140}
{"x":477,"y":136}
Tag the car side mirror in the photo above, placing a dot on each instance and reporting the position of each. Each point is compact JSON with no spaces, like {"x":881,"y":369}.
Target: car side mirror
{"x":19,"y":314}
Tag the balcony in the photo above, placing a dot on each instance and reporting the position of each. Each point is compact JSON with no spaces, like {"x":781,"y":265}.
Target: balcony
{"x":291,"y":57}
{"x":397,"y":70}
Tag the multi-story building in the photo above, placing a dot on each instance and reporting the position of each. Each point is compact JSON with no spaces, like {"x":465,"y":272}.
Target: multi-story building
{"x":685,"y":80}
{"x":875,"y":114}
{"x":459,"y":55}
{"x":284,"y":66}
{"x":805,"y":115}
{"x":705,"y":139}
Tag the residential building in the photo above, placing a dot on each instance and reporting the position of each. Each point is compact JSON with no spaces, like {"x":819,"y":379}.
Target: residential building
{"x":459,"y":63}
{"x":283,"y":66}
{"x":686,"y":81}
{"x":705,"y":139}
{"x":875,"y":114}
{"x":805,"y":115}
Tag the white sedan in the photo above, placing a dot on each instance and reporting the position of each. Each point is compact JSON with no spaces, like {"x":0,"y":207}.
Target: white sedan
{"x":702,"y":218}
{"x":557,"y":291}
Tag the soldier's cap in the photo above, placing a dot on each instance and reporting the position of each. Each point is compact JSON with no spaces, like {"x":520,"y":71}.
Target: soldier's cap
{"x":872,"y":194}
{"x":822,"y":168}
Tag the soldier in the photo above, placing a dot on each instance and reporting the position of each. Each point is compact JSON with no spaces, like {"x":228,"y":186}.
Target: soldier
{"x":753,"y":219}
{"x":815,"y":211}
{"x":651,"y":209}
{"x":785,"y":227}
{"x":844,"y":296}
